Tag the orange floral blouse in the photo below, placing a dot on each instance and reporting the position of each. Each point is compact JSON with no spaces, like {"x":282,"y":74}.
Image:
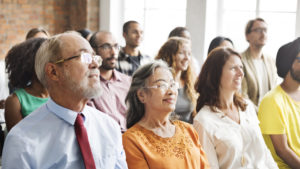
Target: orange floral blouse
{"x":146,"y":150}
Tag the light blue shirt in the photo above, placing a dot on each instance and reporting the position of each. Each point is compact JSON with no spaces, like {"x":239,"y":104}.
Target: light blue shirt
{"x":46,"y":139}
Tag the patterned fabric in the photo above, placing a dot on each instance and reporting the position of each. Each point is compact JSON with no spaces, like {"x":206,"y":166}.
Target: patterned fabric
{"x":145,"y":149}
{"x":128,"y":64}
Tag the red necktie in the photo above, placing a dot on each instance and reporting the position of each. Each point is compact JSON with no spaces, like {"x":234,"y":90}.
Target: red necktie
{"x":83,"y":142}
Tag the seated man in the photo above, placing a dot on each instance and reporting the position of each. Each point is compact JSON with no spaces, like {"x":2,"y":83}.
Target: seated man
{"x":279,"y":110}
{"x":115,"y":85}
{"x":64,"y":133}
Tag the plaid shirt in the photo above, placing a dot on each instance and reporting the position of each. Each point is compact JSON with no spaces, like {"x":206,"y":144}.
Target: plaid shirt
{"x":128,"y":64}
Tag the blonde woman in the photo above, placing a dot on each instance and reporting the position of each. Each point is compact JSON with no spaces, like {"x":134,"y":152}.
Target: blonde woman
{"x":177,"y":53}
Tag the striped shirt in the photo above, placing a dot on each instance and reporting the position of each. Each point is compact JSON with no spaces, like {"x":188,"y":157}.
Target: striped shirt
{"x":128,"y":64}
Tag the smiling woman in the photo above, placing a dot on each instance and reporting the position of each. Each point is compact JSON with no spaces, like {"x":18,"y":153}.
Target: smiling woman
{"x":226,"y":122}
{"x":177,"y":53}
{"x":152,"y":139}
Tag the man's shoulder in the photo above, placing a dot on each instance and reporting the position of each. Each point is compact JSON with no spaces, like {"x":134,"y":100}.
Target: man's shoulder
{"x":274,"y":96}
{"x":122,"y":76}
{"x":122,"y":55}
{"x":31,"y":128}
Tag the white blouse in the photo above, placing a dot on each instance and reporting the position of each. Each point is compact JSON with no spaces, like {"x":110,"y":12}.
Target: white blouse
{"x":229,"y":145}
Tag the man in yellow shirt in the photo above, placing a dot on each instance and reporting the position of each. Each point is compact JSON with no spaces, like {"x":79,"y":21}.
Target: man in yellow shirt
{"x":279,"y":111}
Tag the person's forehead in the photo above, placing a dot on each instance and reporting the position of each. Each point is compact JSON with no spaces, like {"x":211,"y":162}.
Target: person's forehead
{"x":134,"y":26}
{"x":260,"y":24}
{"x":106,"y":38}
{"x":72,"y":45}
{"x":161,"y":73}
{"x":40,"y":35}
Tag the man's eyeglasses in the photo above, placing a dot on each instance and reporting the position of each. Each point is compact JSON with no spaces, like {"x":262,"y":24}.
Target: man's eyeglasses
{"x":298,"y":59}
{"x":260,"y":30}
{"x":109,"y":47}
{"x":84,"y":57}
{"x":164,"y":86}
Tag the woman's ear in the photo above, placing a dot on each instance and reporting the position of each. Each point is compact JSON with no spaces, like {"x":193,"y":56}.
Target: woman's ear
{"x":141,"y":95}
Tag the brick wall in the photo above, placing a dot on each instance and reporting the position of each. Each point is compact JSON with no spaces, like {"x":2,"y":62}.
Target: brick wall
{"x":93,"y":15}
{"x":56,"y":16}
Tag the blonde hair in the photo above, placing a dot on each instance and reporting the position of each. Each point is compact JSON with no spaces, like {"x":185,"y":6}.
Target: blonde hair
{"x":168,"y":53}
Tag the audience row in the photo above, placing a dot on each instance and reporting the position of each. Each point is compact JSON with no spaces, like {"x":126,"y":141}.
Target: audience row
{"x":82,"y":101}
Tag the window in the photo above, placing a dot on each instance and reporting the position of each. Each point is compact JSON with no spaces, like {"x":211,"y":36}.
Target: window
{"x":158,"y":18}
{"x":233,"y":15}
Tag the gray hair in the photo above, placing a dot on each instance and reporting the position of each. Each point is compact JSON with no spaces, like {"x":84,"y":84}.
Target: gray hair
{"x":50,"y":51}
{"x":136,"y":109}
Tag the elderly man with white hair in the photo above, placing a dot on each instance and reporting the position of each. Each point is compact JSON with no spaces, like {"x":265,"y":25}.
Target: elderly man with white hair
{"x":65,"y":132}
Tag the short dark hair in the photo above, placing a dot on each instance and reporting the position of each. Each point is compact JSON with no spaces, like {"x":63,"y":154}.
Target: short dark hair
{"x":127,"y":25}
{"x":217,"y":42}
{"x":250,"y":25}
{"x":20,"y":61}
{"x":177,"y":31}
{"x":208,"y":82}
{"x":84,"y":33}
{"x":93,"y":40}
{"x":32,"y":32}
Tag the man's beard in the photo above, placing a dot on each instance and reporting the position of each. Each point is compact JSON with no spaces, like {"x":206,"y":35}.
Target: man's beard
{"x":295,"y":75}
{"x":83,"y":87}
{"x":106,"y":66}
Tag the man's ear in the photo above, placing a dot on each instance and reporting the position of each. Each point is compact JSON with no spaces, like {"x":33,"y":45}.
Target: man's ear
{"x":51,"y":70}
{"x":141,"y":95}
{"x":124,"y":35}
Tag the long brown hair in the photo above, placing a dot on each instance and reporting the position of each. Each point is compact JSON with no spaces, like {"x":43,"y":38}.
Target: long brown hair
{"x":168,"y":53}
{"x":208,"y":82}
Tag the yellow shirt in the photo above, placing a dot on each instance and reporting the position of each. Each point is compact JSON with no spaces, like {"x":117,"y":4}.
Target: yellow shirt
{"x":146,"y":150}
{"x":280,"y":114}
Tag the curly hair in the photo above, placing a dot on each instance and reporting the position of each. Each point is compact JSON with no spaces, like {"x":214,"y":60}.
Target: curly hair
{"x":168,"y":53}
{"x":208,"y":82}
{"x":20,"y":62}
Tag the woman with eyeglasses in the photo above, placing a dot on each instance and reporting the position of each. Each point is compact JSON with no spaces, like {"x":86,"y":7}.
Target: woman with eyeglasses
{"x":30,"y":93}
{"x":153,"y":140}
{"x":226,"y":122}
{"x":177,"y":53}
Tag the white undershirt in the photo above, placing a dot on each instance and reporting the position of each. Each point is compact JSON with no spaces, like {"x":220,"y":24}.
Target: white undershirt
{"x":262,"y":76}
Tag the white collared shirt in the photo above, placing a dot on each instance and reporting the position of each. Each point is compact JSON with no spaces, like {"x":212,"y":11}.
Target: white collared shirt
{"x":229,"y":145}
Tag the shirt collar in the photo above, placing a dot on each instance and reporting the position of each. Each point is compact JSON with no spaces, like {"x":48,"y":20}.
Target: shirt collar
{"x":115,"y":76}
{"x":125,"y":55}
{"x":64,"y":113}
